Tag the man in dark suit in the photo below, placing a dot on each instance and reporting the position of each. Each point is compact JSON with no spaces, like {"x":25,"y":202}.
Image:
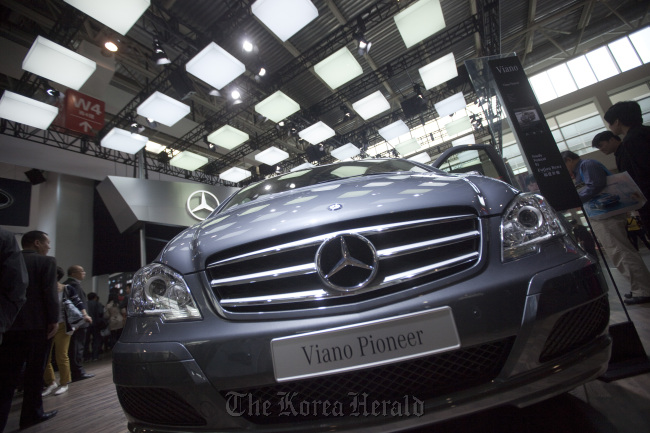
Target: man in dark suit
{"x":13,"y":280}
{"x":26,"y":342}
{"x":76,"y":274}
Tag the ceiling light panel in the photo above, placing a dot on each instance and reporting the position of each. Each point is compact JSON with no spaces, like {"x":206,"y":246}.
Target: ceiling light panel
{"x":124,"y":141}
{"x":188,"y":161}
{"x":371,"y":105}
{"x":19,"y":108}
{"x":422,"y":158}
{"x":451,"y":105}
{"x":339,"y":68}
{"x":120,"y":15}
{"x":235,"y":174}
{"x":316,"y":133}
{"x":346,"y":151}
{"x":439,"y":71}
{"x":154,"y":147}
{"x":419,"y":21}
{"x":277,"y":107}
{"x":163,"y":109}
{"x":303,"y":166}
{"x":227,"y":137}
{"x":458,"y":126}
{"x":284,"y":17}
{"x":394,"y":130}
{"x":271,"y":156}
{"x":466,"y":140}
{"x":407,"y":147}
{"x":56,"y":63}
{"x":215,"y":66}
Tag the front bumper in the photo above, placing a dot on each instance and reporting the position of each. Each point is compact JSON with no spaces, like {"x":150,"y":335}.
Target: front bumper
{"x":556,"y":341}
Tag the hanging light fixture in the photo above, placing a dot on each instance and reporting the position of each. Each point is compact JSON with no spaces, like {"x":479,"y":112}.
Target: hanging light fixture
{"x":159,"y":54}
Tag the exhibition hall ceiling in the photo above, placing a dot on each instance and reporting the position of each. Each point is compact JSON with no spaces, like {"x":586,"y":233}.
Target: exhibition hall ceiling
{"x":229,"y":131}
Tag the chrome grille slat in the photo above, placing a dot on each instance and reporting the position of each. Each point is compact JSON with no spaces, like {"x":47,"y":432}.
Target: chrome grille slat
{"x":316,"y":240}
{"x":292,"y":271}
{"x":423,"y":246}
{"x":409,"y":252}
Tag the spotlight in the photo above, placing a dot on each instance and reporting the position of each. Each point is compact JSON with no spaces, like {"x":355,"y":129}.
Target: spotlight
{"x":159,"y":55}
{"x":134,"y":126}
{"x":152,"y":123}
{"x":418,"y":91}
{"x":235,"y":94}
{"x":214,"y":92}
{"x":247,"y":46}
{"x":262,"y":71}
{"x":346,"y":112}
{"x":281,"y":123}
{"x":363,"y":45}
{"x":111,"y":46}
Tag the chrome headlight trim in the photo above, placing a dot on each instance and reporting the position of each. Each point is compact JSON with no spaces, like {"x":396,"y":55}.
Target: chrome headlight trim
{"x":158,"y":290}
{"x":527,"y":222}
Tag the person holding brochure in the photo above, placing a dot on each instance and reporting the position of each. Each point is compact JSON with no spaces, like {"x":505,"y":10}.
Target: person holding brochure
{"x":591,"y":177}
{"x":633,"y":152}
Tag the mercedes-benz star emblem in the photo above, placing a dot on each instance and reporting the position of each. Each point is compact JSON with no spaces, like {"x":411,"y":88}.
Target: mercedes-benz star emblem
{"x":335,"y":206}
{"x":347,"y":262}
{"x":6,"y":199}
{"x":207,"y":202}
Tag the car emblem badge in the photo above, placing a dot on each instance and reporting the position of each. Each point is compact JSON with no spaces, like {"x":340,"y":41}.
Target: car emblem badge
{"x":207,"y":203}
{"x":347,"y":262}
{"x":335,"y":206}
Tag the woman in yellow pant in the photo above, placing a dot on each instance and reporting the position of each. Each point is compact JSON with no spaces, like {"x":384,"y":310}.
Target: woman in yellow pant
{"x":61,"y":342}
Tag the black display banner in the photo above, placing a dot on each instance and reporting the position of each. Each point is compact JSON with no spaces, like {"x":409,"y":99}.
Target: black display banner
{"x":15,"y":199}
{"x":533,"y":134}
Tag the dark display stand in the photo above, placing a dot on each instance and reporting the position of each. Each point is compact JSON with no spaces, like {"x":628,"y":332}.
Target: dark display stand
{"x":505,"y":77}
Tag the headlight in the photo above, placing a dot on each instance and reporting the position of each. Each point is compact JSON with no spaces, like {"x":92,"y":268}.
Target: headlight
{"x":159,"y":291}
{"x":527,"y":222}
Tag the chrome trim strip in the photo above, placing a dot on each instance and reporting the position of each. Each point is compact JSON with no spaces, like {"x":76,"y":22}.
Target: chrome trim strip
{"x":426,"y":245}
{"x":276,"y":299}
{"x":430,"y":269}
{"x":316,"y":240}
{"x":292,"y":271}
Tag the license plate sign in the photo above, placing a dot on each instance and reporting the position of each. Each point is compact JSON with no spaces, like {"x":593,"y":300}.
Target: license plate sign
{"x":364,"y":345}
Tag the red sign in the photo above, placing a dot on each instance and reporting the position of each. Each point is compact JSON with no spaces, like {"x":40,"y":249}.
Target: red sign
{"x":83,"y":113}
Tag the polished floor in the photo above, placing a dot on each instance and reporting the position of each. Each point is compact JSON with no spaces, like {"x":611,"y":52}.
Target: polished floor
{"x":621,"y":406}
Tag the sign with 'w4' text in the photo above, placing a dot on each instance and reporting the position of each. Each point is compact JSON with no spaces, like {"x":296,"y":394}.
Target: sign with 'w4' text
{"x":83,"y":113}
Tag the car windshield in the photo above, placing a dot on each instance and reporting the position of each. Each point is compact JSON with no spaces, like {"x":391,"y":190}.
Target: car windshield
{"x":322,"y":174}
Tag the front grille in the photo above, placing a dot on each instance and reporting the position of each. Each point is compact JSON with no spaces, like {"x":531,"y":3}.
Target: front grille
{"x":158,"y":406}
{"x":283,"y":275}
{"x":421,"y":378}
{"x":576,"y":328}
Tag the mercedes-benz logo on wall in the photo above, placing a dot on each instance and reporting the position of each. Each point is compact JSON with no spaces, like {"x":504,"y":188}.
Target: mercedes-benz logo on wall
{"x":201,"y":203}
{"x":6,"y":199}
{"x":347,"y":262}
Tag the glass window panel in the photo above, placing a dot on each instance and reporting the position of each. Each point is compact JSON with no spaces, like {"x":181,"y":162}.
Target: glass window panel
{"x":557,"y":135}
{"x":633,"y":93}
{"x":624,"y":54}
{"x":516,"y":162}
{"x":561,"y":145}
{"x":582,"y":143}
{"x":602,"y":63}
{"x":562,"y":81}
{"x":645,"y":105}
{"x":579,"y":113}
{"x":542,"y":87}
{"x":641,"y":41}
{"x":581,"y":71}
{"x":583,"y":126}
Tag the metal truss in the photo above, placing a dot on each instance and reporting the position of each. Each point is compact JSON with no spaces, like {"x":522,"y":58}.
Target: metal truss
{"x":65,"y":139}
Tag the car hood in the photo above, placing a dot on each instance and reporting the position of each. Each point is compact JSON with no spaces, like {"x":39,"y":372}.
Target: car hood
{"x":329,"y":203}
